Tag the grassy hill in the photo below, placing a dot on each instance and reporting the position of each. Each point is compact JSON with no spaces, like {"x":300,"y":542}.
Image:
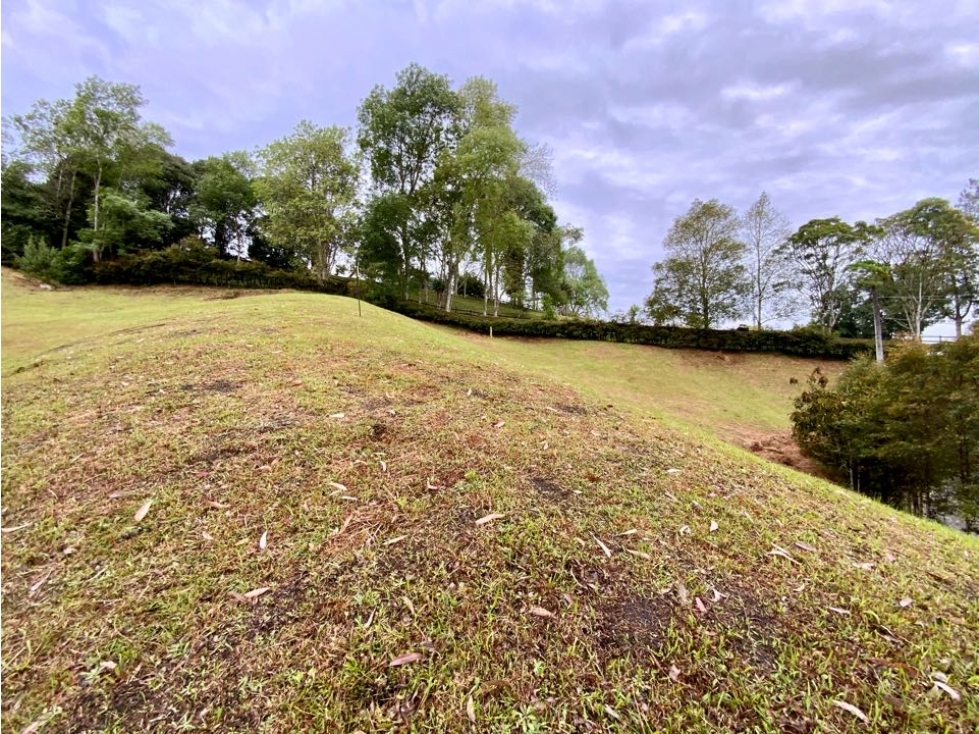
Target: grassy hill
{"x":269,"y":514}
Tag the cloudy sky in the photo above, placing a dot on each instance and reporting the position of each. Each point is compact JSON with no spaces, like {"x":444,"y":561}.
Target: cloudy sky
{"x":855,"y":108}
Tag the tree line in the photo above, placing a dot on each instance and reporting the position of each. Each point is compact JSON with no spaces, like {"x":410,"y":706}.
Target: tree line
{"x":911,"y":269}
{"x":434,"y":193}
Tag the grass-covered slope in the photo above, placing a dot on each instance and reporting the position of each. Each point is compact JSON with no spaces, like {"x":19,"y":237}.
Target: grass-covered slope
{"x":239,"y":515}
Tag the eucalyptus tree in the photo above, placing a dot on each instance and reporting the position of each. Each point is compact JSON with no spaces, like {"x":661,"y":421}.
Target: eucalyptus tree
{"x":403,"y":132}
{"x":823,"y":251}
{"x":764,"y":230}
{"x":703,"y":280}
{"x":308,"y":189}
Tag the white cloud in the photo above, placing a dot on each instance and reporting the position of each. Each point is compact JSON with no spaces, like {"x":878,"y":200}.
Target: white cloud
{"x":755,"y":92}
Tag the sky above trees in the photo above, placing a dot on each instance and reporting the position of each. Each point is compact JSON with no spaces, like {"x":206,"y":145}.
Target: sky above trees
{"x":841,"y":107}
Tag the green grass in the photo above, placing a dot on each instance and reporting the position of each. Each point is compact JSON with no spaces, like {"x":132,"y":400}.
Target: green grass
{"x":364,"y":450}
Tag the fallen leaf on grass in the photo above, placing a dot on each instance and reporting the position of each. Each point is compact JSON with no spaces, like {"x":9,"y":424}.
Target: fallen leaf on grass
{"x":612,"y":712}
{"x":639,"y":554}
{"x":605,"y":549}
{"x":411,"y":657}
{"x":263,"y":541}
{"x":685,"y":530}
{"x":384,"y":464}
{"x":218,"y":505}
{"x":107,"y":665}
{"x":633,"y":531}
{"x":701,"y":607}
{"x":500,"y":424}
{"x":255,"y":593}
{"x":804,"y":546}
{"x":348,"y":498}
{"x":470,"y":706}
{"x":682,"y":594}
{"x":338,"y":415}
{"x":672,"y":471}
{"x":339,"y":487}
{"x":540,"y":612}
{"x":392,"y":541}
{"x":490,"y":518}
{"x":141,"y":512}
{"x":206,"y":535}
{"x":429,"y":485}
{"x":713,"y":526}
{"x":850,"y":708}
{"x":411,"y":607}
{"x":905,"y":602}
{"x":15,"y":528}
{"x":837,"y":610}
{"x":674,"y":673}
{"x":864,"y":566}
{"x":952,"y":693}
{"x":778,"y":551}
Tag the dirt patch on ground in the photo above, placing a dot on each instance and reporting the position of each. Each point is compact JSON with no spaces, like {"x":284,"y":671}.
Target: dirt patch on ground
{"x":781,"y":448}
{"x":633,"y":623}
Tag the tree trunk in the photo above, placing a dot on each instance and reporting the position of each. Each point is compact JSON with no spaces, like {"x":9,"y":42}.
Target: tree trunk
{"x":71,"y":200}
{"x":878,"y":326}
{"x":95,"y":215}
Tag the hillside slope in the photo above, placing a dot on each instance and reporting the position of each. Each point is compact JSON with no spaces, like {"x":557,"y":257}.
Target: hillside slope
{"x":269,"y":514}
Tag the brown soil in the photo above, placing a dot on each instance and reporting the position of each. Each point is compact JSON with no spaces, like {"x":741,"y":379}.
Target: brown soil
{"x":781,"y":448}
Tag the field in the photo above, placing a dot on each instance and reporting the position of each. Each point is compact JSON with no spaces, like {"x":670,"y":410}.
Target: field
{"x":265,"y":513}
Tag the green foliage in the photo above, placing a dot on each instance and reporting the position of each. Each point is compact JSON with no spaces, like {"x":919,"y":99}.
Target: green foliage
{"x":307,"y":189}
{"x":585,"y":291}
{"x":801,"y":342}
{"x":703,"y":281}
{"x":66,"y":266}
{"x":906,"y":431}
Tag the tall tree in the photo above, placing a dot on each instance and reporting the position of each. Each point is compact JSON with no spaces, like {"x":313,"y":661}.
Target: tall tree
{"x":403,"y":132}
{"x":823,"y":251}
{"x":764,"y":230}
{"x":308,"y":189}
{"x":586,"y":292}
{"x":224,"y":205}
{"x":929,"y":251}
{"x":105,"y":132}
{"x":703,"y":280}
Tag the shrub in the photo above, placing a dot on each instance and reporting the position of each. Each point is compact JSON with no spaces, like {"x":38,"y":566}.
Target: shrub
{"x":67,"y":266}
{"x":801,"y":344}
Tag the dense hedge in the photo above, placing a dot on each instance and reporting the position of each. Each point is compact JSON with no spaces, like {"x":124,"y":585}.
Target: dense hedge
{"x":194,"y":267}
{"x":799,"y":343}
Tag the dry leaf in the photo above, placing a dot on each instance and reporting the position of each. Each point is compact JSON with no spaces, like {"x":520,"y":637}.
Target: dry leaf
{"x":717,"y":595}
{"x":778,"y":551}
{"x":500,"y":424}
{"x":470,"y":706}
{"x":339,"y":487}
{"x":490,"y":518}
{"x":411,"y":607}
{"x":905,"y":602}
{"x":411,"y":657}
{"x":429,"y":485}
{"x":605,"y":548}
{"x":682,"y":594}
{"x":837,"y":610}
{"x":469,"y":394}
{"x":633,"y":531}
{"x":255,"y":593}
{"x":392,"y":541}
{"x":672,"y":471}
{"x":865,"y":566}
{"x":348,"y":498}
{"x":612,"y":712}
{"x":674,"y":673}
{"x":263,"y":541}
{"x":206,"y":535}
{"x":713,"y":526}
{"x":952,"y":693}
{"x":540,"y":612}
{"x":338,"y":415}
{"x":699,"y":605}
{"x":685,"y":530}
{"x":107,"y":665}
{"x":804,"y":546}
{"x":141,"y":512}
{"x":218,"y":505}
{"x":850,"y":708}
{"x":639,"y":554}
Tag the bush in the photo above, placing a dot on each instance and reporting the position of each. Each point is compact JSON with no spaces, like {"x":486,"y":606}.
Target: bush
{"x":906,"y":431}
{"x":191,"y":262}
{"x":67,"y":266}
{"x":800,"y":344}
